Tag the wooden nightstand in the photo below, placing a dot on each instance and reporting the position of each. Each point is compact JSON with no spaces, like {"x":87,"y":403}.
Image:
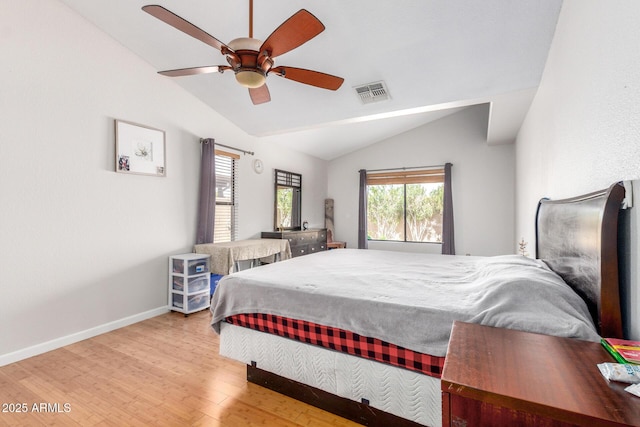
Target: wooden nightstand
{"x":501,"y":377}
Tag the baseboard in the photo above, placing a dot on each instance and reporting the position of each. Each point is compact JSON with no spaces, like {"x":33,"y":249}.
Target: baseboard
{"x":34,"y":350}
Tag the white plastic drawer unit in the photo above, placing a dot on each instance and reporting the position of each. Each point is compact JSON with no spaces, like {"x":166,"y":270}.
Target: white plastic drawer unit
{"x":198,"y":302}
{"x":189,"y":282}
{"x":193,"y":266}
{"x":177,"y":301}
{"x":197,"y":284}
{"x":190,"y":303}
{"x":177,"y":283}
{"x":190,"y":285}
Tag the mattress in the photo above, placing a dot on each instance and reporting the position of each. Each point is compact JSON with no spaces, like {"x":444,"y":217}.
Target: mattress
{"x":395,"y":390}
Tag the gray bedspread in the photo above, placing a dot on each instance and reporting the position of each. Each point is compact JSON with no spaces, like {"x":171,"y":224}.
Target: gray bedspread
{"x":408,"y":299}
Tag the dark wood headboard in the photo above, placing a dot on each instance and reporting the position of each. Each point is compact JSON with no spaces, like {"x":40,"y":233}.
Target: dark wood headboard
{"x":578,"y":239}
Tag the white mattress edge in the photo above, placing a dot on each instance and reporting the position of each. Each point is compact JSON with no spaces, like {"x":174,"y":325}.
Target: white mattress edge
{"x":401,"y":392}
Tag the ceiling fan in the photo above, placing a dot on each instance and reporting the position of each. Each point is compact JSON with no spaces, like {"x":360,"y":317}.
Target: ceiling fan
{"x":251,"y":59}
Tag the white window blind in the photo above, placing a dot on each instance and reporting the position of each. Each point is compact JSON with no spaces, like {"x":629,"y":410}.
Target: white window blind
{"x":226,"y":221}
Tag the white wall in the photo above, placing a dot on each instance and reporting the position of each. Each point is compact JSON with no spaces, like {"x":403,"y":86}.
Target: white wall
{"x":482,"y":182}
{"x":82,"y":248}
{"x":582,"y":132}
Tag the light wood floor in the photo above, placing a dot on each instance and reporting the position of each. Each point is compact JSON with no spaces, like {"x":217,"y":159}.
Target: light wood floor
{"x":164,"y":371}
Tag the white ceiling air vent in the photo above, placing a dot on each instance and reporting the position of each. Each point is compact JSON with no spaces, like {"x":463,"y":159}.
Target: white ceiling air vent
{"x":372,"y":92}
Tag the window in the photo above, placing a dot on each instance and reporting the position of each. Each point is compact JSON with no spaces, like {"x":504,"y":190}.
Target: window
{"x":288,"y":200}
{"x":225,"y":229}
{"x":405,"y":206}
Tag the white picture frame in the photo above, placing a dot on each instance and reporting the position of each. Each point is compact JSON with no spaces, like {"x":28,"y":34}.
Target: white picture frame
{"x":140,"y":149}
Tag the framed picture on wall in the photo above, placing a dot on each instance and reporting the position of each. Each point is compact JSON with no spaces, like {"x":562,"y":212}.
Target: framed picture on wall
{"x":139,"y":149}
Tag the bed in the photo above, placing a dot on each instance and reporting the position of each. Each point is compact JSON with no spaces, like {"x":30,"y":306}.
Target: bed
{"x":364,"y":333}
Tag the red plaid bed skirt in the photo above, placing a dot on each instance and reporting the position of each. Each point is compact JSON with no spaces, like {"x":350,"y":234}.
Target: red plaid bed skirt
{"x":341,"y":340}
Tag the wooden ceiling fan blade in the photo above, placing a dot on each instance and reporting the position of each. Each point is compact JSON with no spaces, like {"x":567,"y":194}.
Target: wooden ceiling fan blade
{"x":309,"y":77}
{"x":260,"y":95}
{"x":295,"y":31}
{"x":183,"y":25}
{"x":191,"y":71}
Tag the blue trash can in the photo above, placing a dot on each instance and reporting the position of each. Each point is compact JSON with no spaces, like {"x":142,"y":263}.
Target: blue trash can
{"x":215,"y":278}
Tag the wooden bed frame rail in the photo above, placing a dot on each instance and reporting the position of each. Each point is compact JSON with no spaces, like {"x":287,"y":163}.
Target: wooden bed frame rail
{"x":358,"y":412}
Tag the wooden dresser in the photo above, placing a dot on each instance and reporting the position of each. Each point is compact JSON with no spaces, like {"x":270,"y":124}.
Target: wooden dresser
{"x":302,"y":242}
{"x":496,"y":377}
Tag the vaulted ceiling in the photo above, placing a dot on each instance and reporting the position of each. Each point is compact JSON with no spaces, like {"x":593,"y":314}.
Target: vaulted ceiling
{"x":434,"y":56}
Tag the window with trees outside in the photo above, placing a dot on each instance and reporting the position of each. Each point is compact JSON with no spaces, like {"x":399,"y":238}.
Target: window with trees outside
{"x":405,"y":206}
{"x":225,"y":229}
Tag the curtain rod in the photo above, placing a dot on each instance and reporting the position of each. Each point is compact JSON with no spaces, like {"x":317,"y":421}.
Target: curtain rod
{"x":226,"y":146}
{"x":406,"y":168}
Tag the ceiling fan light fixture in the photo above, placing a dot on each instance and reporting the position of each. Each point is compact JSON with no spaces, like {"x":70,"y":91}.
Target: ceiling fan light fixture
{"x":250,"y":78}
